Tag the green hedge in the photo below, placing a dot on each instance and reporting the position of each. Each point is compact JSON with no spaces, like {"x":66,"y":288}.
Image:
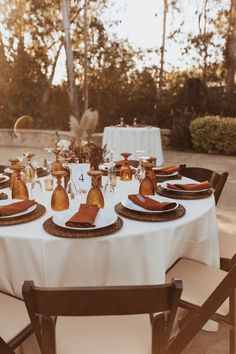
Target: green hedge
{"x":214,"y":134}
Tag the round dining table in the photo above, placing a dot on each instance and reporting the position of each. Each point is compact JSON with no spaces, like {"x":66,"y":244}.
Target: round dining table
{"x":139,"y":253}
{"x":132,"y":139}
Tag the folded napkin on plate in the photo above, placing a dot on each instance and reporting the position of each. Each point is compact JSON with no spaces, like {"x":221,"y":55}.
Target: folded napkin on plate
{"x":190,"y":186}
{"x":166,"y":170}
{"x":15,"y":208}
{"x":85,"y":217}
{"x":149,"y":203}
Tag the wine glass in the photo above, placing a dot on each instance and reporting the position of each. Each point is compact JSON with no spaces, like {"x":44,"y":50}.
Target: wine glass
{"x":139,"y":171}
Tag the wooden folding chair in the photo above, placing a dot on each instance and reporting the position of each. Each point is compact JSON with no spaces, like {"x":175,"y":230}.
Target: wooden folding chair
{"x":208,"y":293}
{"x":227,"y":251}
{"x":99,"y":327}
{"x":15,"y":324}
{"x":201,"y":174}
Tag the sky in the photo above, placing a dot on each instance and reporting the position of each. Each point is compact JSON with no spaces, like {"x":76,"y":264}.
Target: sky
{"x":140,"y":21}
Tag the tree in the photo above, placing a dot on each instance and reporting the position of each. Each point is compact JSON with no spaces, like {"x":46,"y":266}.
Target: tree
{"x":65,"y":4}
{"x":230,"y":49}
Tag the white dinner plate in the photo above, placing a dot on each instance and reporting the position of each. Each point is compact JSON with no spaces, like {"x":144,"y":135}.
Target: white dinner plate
{"x":155,"y":169}
{"x":104,"y":218}
{"x":6,"y":178}
{"x":127,"y":203}
{"x":9,"y":201}
{"x":8,"y":170}
{"x":164,"y":185}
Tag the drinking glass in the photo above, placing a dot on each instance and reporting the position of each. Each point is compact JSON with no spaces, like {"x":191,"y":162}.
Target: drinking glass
{"x":125,"y":170}
{"x":95,"y":195}
{"x":139,"y":170}
{"x":59,"y":199}
{"x":146,"y":186}
{"x":19,"y":188}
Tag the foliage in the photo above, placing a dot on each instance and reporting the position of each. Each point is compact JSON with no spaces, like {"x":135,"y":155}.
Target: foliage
{"x":214,"y":134}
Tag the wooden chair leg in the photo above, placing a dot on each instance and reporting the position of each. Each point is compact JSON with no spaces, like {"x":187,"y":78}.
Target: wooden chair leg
{"x":232,"y":332}
{"x":158,"y":334}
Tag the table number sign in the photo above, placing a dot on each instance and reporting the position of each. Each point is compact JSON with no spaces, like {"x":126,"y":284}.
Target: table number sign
{"x":80,"y":177}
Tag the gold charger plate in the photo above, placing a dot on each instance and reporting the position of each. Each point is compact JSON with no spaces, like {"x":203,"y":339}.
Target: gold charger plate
{"x":5,"y":184}
{"x":59,"y":231}
{"x":178,"y":195}
{"x":140,"y":216}
{"x":35,"y":214}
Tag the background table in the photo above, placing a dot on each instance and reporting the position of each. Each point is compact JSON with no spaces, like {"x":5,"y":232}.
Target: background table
{"x":130,"y":139}
{"x":139,"y":253}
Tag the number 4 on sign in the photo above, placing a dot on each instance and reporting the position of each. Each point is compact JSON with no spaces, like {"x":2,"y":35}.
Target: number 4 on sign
{"x":80,"y":176}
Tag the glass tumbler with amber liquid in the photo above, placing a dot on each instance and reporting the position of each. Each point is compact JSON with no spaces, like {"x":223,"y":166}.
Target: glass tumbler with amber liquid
{"x":95,"y":195}
{"x":125,"y":170}
{"x":59,"y":199}
{"x":19,"y":188}
{"x":147,"y":186}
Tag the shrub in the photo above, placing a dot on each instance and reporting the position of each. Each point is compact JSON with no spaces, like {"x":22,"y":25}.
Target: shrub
{"x":214,"y":134}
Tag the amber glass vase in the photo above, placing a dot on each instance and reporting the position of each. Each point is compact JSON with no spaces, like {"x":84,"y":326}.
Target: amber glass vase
{"x":19,"y":188}
{"x":125,"y":170}
{"x":147,"y":186}
{"x":95,"y":195}
{"x":59,"y":199}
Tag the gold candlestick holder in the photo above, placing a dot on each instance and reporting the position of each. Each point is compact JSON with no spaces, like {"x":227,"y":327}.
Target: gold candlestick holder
{"x":95,"y":195}
{"x":59,"y":199}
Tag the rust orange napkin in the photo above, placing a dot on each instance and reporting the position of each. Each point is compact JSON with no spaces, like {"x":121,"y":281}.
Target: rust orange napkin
{"x":166,"y":170}
{"x":190,"y":186}
{"x":149,"y":203}
{"x":15,"y":208}
{"x":85,"y":217}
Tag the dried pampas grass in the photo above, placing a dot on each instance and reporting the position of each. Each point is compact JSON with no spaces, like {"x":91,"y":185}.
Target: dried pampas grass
{"x":86,"y":126}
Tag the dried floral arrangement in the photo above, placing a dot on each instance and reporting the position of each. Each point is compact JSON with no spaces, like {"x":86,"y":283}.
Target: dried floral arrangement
{"x":81,"y":151}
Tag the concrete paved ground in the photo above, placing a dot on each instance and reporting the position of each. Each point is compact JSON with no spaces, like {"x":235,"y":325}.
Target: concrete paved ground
{"x":204,"y":342}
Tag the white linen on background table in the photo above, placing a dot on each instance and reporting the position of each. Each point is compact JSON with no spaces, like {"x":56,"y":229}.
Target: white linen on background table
{"x":139,"y":253}
{"x":131,"y":139}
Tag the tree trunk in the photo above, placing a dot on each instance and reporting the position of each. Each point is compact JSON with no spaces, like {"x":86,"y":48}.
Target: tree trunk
{"x":85,"y":56}
{"x":161,"y":75}
{"x":73,"y":97}
{"x":48,"y":88}
{"x":231,"y":49}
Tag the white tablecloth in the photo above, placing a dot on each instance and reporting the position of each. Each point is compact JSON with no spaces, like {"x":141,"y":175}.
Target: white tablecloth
{"x":131,"y":139}
{"x":139,"y":253}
